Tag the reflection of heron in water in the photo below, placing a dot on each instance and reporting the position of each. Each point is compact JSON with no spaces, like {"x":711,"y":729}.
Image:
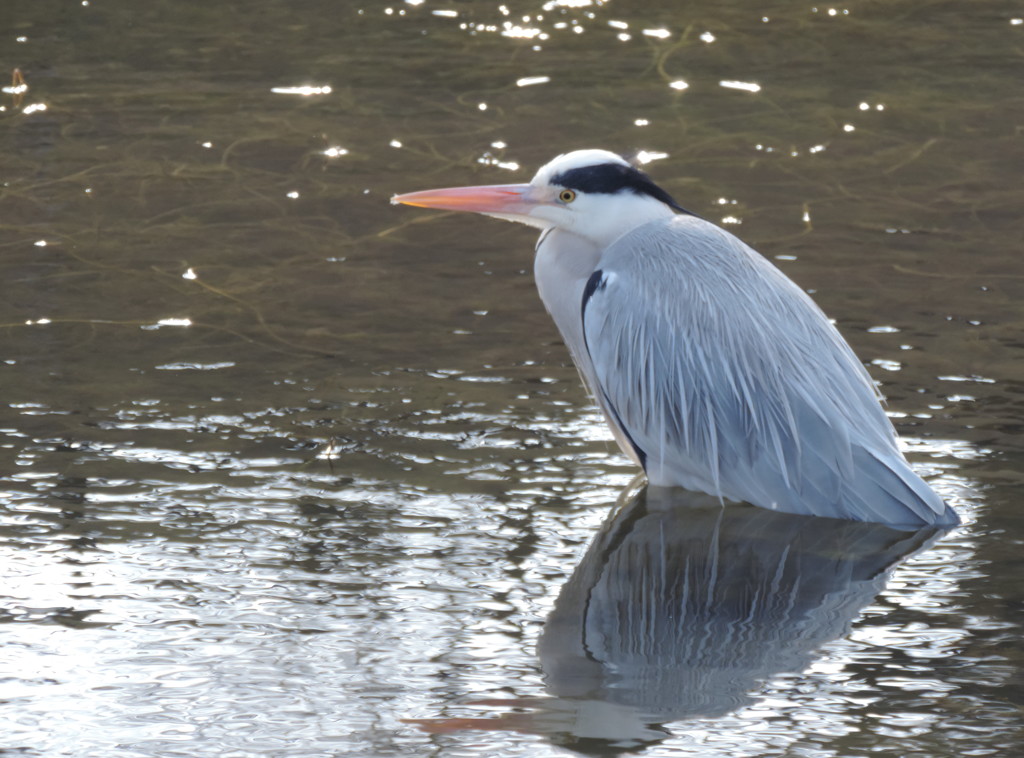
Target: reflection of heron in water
{"x":681,"y":608}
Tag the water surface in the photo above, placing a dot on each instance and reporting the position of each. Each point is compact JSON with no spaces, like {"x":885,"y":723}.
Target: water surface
{"x":288,"y":471}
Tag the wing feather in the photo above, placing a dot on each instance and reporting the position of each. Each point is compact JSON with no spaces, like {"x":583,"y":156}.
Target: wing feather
{"x":732,"y":381}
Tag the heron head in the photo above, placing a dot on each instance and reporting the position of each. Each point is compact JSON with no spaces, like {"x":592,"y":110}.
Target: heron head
{"x":591,"y":193}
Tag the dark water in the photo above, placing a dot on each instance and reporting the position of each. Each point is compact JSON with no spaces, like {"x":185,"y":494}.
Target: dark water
{"x":288,"y":471}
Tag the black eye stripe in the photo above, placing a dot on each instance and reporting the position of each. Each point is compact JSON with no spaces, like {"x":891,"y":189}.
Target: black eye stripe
{"x":609,"y":178}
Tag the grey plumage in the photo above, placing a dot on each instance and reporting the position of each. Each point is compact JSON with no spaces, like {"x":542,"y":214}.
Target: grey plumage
{"x":777,"y":411}
{"x":715,"y":371}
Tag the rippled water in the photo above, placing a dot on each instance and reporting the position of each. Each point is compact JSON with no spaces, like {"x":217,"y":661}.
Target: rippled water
{"x":288,"y":471}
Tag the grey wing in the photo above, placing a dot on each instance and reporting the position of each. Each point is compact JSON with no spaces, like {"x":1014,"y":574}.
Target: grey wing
{"x":726,"y":378}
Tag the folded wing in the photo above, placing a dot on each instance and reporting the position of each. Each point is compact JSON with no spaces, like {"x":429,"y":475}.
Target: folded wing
{"x":725,"y":377}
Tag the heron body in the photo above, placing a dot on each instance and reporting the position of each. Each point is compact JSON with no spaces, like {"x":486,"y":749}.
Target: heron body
{"x":714,"y":370}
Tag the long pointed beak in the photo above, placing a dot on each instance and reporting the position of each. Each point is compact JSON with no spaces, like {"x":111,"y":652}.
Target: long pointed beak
{"x":505,"y":199}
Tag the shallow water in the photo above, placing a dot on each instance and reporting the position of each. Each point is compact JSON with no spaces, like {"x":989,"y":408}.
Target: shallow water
{"x":288,"y":471}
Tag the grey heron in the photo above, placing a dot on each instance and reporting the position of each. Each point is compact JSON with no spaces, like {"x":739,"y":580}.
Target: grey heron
{"x":715,"y":371}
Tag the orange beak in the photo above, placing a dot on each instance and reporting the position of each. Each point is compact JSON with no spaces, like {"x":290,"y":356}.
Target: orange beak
{"x":504,"y":199}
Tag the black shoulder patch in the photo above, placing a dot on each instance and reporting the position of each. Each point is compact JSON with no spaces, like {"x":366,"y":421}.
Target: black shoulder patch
{"x":595,"y":283}
{"x":640,"y":454}
{"x":609,"y":178}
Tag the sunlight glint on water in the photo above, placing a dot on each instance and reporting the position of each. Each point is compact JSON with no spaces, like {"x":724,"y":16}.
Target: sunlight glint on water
{"x":287,"y":471}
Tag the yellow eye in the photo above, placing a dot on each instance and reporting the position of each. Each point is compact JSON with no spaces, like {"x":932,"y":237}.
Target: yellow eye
{"x":567,"y":196}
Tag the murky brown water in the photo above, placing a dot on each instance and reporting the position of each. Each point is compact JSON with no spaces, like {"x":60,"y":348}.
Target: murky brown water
{"x":288,"y":471}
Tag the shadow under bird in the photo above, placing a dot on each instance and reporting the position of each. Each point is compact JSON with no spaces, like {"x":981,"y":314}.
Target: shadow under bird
{"x":715,"y":371}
